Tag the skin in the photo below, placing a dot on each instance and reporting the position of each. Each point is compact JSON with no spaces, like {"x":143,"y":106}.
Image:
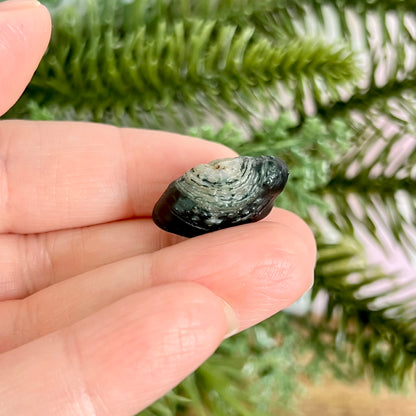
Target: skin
{"x":106,"y":310}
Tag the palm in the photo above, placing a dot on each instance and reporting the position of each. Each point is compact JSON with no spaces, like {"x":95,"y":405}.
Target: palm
{"x":78,"y":240}
{"x":110,"y":311}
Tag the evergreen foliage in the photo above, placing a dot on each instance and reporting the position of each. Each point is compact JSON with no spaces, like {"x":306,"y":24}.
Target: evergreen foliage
{"x":198,"y":64}
{"x":329,"y":86}
{"x":382,"y":331}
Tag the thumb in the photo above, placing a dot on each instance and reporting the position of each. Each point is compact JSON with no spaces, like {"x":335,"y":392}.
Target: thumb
{"x":25,"y":29}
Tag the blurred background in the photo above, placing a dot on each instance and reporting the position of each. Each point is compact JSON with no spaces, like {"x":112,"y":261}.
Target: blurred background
{"x":330,"y":87}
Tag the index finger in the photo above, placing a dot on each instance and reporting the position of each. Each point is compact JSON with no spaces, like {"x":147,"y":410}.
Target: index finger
{"x":56,"y":175}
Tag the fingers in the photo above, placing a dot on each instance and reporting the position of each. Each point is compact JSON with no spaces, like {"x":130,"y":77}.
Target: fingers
{"x":33,"y":262}
{"x":56,"y":175}
{"x":119,"y":360}
{"x":258,"y":269}
{"x":25,"y":29}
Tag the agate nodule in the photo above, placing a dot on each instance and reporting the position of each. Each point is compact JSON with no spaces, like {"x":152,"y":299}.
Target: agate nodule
{"x":221,"y":194}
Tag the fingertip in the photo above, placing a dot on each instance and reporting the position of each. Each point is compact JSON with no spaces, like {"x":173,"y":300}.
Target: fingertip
{"x":298,"y":225}
{"x":276,"y":268}
{"x":305,"y":235}
{"x":24,"y":35}
{"x":259,"y":269}
{"x":283,"y":267}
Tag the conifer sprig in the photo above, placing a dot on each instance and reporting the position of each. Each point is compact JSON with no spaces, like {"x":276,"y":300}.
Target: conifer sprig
{"x":200,"y":64}
{"x":377,"y":334}
{"x":384,"y":100}
{"x":375,"y":184}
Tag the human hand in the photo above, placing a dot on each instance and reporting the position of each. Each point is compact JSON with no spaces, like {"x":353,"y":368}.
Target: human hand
{"x":101,"y":312}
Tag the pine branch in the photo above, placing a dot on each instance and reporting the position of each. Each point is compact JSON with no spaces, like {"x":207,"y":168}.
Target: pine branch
{"x":373,"y":5}
{"x":374,"y":183}
{"x":263,"y":16}
{"x":129,"y":15}
{"x":363,"y":101}
{"x":382,"y":34}
{"x":384,"y":38}
{"x":198,"y":64}
{"x":359,"y":337}
{"x":389,"y":201}
{"x":381,"y":103}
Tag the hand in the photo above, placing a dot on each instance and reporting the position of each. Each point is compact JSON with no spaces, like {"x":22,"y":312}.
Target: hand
{"x":101,"y":312}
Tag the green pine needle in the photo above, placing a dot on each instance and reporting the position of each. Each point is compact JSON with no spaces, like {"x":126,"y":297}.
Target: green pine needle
{"x":379,"y":341}
{"x":205,"y":65}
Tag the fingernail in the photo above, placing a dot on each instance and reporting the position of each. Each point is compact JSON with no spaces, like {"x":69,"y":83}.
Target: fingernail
{"x":18,"y":4}
{"x":232,"y":321}
{"x":312,"y":283}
